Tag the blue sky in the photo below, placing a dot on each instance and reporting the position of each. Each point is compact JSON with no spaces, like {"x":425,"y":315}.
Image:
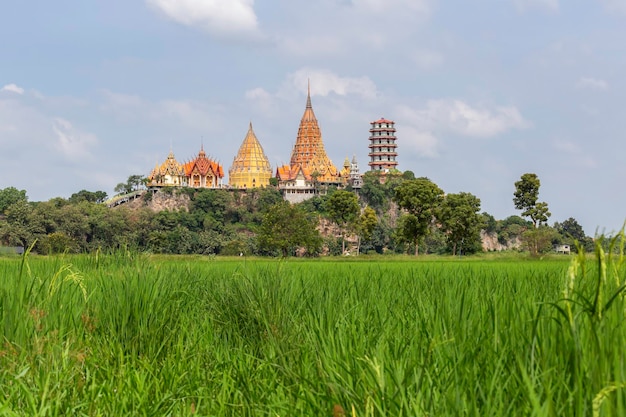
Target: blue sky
{"x":482,"y":91}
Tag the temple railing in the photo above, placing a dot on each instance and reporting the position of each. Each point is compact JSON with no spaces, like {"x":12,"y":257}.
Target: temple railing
{"x":124,"y":198}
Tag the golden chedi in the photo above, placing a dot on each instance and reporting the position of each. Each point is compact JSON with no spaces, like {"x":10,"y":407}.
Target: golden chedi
{"x":251,"y":167}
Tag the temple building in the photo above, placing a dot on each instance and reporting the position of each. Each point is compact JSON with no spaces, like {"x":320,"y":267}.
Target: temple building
{"x":251,"y":167}
{"x":356,"y":179}
{"x":169,"y":173}
{"x":203,"y":172}
{"x":310,"y":168}
{"x":383,"y":146}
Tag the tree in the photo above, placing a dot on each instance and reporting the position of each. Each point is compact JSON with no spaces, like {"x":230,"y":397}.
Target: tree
{"x":539,"y":240}
{"x":372,"y":191}
{"x":9,"y":196}
{"x":571,"y":232}
{"x":571,"y":229}
{"x":366,"y":224}
{"x":421,"y":199}
{"x":408,"y":175}
{"x":133,"y":183}
{"x":91,"y":196}
{"x":285,"y":228}
{"x":525,"y":198}
{"x":343,"y":209}
{"x":460,"y":220}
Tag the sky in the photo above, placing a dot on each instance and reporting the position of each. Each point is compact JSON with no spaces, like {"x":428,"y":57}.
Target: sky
{"x":481,"y":91}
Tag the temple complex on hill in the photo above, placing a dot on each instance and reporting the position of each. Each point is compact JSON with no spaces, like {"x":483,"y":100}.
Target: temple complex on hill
{"x":200,"y":172}
{"x":310,"y":171}
{"x":251,"y":168}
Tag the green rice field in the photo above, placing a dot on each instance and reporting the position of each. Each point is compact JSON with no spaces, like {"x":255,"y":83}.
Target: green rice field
{"x":138,"y":335}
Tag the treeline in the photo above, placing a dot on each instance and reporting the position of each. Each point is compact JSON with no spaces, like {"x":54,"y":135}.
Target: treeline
{"x":402,"y":214}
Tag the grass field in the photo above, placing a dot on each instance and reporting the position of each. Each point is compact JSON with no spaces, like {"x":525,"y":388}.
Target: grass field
{"x":131,"y":334}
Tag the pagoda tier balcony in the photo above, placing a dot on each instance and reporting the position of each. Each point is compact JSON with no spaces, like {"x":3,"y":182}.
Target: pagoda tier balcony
{"x":383,"y":129}
{"x":381,"y":167}
{"x":383,"y":158}
{"x":375,"y":138}
{"x":383,"y":153}
{"x":382,"y":145}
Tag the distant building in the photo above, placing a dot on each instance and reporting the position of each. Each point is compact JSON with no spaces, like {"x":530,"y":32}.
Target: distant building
{"x":200,"y":172}
{"x":564,"y":249}
{"x":203,"y":172}
{"x":356,"y":179}
{"x":383,"y":155}
{"x":169,"y":173}
{"x":251,"y":168}
{"x":310,"y":169}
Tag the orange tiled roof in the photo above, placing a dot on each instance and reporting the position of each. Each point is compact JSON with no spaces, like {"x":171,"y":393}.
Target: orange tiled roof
{"x":204,"y":165}
{"x":383,"y":120}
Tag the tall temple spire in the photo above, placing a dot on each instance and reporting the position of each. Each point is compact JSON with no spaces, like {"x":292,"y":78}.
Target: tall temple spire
{"x":251,"y":167}
{"x":308,"y":95}
{"x":308,"y":151}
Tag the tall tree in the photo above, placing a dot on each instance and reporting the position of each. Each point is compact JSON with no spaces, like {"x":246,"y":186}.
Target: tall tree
{"x":9,"y":196}
{"x":460,"y":220}
{"x":285,"y":228}
{"x":366,"y":224}
{"x":343,"y":210}
{"x":570,"y":228}
{"x":421,"y":198}
{"x":526,"y":196}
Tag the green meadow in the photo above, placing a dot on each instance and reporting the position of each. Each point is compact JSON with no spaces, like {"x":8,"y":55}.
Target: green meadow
{"x":140,"y":335}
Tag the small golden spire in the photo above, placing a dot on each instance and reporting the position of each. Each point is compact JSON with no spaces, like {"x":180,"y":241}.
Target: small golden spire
{"x":308,"y":95}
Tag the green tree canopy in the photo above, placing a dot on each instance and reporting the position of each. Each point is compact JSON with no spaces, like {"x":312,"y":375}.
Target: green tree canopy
{"x":287,"y":227}
{"x":9,"y":196}
{"x":90,"y":196}
{"x":525,"y":198}
{"x":421,"y":198}
{"x":343,"y":210}
{"x":460,"y":220}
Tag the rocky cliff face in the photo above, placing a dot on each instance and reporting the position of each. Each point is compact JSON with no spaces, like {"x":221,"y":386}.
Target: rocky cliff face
{"x":490,"y":242}
{"x":160,"y":201}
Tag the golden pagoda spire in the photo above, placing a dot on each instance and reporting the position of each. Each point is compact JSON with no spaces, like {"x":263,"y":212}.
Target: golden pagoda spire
{"x":251,"y":167}
{"x":308,"y":95}
{"x":308,"y":151}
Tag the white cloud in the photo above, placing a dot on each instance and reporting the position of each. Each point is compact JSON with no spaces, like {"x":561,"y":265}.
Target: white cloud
{"x":592,"y":84}
{"x":222,"y":17}
{"x":461,"y":118}
{"x":573,"y":154}
{"x":13,"y":89}
{"x":423,"y":127}
{"x":424,"y":143}
{"x":324,"y":82}
{"x":348,"y":26}
{"x":618,"y":6}
{"x":550,"y":5}
{"x":72,"y":143}
{"x":131,"y":108}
